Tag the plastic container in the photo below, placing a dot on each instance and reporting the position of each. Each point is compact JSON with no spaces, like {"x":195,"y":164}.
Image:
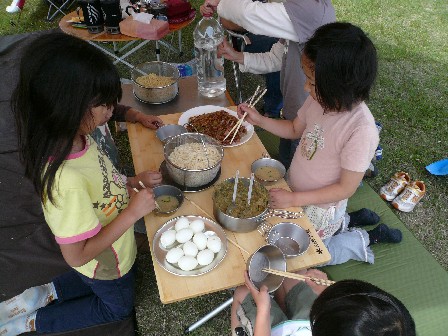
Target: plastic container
{"x":208,"y":34}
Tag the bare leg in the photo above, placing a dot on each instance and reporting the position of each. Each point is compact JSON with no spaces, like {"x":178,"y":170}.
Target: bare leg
{"x":282,"y":291}
{"x":238,"y":297}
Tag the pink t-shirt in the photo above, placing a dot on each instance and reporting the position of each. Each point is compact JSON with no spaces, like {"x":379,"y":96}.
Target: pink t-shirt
{"x":331,"y":142}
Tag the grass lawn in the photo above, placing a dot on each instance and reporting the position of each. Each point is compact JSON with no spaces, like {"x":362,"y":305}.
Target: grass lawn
{"x":410,"y":99}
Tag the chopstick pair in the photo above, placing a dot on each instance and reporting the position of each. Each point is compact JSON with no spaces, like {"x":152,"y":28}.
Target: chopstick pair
{"x":322,"y":282}
{"x":144,"y":187}
{"x":237,"y":126}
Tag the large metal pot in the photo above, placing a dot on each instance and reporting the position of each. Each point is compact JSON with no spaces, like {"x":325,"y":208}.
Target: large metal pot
{"x":249,"y":224}
{"x":192,"y":177}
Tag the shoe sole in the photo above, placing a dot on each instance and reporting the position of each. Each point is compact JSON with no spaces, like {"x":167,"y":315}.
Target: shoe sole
{"x":396,"y":206}
{"x":386,"y":198}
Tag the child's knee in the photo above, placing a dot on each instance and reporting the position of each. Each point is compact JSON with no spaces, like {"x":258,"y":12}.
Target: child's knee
{"x":240,"y":293}
{"x":120,"y":312}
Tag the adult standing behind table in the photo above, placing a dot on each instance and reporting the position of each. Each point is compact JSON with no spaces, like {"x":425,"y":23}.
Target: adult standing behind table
{"x":273,"y":100}
{"x":294,"y":22}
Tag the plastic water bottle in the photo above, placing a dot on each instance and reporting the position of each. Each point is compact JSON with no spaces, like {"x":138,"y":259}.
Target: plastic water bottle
{"x":379,"y":153}
{"x":208,"y":34}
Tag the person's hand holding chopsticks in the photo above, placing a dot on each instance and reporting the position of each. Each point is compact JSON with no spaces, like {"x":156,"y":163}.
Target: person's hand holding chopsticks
{"x":314,"y":273}
{"x":252,"y":115}
{"x":141,"y":203}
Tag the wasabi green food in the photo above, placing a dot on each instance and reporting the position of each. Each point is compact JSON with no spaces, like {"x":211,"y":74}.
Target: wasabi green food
{"x":223,"y":199}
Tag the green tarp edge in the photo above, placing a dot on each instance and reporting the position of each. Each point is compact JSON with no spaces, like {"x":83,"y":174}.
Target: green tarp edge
{"x":407,"y":270}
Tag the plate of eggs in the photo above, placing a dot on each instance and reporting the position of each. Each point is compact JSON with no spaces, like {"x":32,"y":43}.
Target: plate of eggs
{"x":189,"y":245}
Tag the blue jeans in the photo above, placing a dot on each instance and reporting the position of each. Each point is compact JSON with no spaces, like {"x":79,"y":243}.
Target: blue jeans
{"x":83,"y":302}
{"x":273,"y":99}
{"x":286,"y":150}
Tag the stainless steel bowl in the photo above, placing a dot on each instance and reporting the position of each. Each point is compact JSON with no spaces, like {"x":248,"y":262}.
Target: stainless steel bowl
{"x":165,"y":132}
{"x":236,"y":224}
{"x":168,"y":190}
{"x":290,"y":238}
{"x":267,"y":256}
{"x":156,"y":92}
{"x":192,"y":177}
{"x":269,"y":163}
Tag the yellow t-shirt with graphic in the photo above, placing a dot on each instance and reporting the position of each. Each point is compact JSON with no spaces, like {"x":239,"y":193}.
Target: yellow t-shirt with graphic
{"x":89,"y":193}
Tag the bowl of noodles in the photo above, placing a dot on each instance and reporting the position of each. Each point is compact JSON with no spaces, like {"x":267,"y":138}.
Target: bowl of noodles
{"x":193,"y":159}
{"x":240,"y":217}
{"x":155,"y":82}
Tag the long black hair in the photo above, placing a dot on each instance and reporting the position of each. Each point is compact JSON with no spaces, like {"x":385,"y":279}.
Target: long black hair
{"x":61,"y":79}
{"x":345,"y":65}
{"x":358,"y":308}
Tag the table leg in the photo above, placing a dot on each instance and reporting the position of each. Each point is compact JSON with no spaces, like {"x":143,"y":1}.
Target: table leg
{"x":122,"y":58}
{"x":157,"y":50}
{"x":207,"y":317}
{"x":179,"y":37}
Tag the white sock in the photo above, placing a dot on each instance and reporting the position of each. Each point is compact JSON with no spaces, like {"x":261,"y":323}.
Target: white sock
{"x":19,"y":325}
{"x":29,"y":301}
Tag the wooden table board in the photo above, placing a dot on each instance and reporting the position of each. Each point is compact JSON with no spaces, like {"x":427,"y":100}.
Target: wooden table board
{"x":147,"y":153}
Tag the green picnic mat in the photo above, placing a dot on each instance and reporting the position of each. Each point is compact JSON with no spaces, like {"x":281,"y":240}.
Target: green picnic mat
{"x":405,"y":270}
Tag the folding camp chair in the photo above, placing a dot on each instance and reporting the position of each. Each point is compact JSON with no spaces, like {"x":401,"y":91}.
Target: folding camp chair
{"x":56,"y":7}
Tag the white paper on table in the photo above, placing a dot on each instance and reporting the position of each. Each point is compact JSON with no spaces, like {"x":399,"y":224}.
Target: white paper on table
{"x":142,"y":17}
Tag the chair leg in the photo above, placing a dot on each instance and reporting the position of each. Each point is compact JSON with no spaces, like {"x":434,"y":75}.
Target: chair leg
{"x":207,"y":317}
{"x":57,"y":9}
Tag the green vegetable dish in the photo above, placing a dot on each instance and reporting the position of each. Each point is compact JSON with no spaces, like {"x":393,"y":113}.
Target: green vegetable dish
{"x":258,"y":203}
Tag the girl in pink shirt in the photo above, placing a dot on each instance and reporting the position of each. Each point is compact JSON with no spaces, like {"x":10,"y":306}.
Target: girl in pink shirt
{"x":338,"y":140}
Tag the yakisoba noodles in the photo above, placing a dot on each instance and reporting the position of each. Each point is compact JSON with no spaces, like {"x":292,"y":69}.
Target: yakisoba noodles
{"x":194,"y":156}
{"x":154,"y":81}
{"x":216,"y":125}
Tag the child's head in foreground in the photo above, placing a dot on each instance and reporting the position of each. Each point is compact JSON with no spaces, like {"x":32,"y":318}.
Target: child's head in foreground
{"x":358,"y":308}
{"x":340,"y":64}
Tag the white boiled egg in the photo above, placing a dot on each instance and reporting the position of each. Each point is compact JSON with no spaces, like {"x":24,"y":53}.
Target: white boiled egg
{"x":190,"y":249}
{"x":205,"y":257}
{"x":197,"y":225}
{"x":167,"y":238}
{"x":187,"y":263}
{"x":184,"y":235}
{"x":214,"y":243}
{"x":174,"y":255}
{"x":200,"y":239}
{"x":182,"y":223}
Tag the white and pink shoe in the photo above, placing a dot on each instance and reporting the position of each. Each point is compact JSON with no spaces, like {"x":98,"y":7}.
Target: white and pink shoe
{"x":15,"y":6}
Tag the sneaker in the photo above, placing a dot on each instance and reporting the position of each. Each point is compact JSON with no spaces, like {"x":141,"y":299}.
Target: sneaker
{"x":15,"y":6}
{"x":410,"y":196}
{"x":395,"y":186}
